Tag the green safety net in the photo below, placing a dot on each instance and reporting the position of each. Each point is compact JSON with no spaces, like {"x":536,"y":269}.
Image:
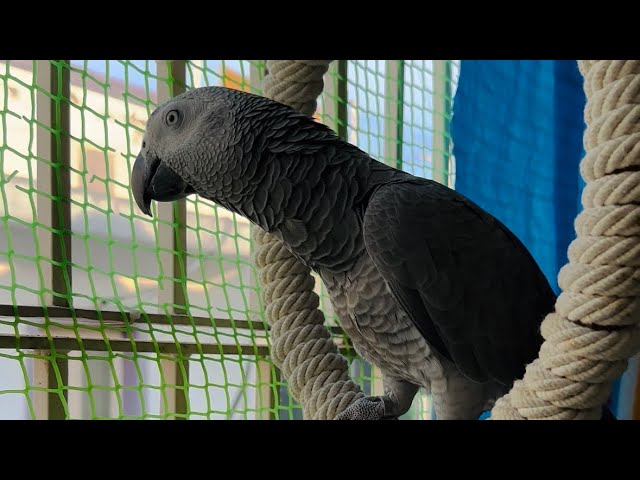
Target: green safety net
{"x":200,"y":348}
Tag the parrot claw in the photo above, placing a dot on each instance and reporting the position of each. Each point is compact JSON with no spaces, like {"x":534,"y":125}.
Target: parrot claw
{"x":367,"y":408}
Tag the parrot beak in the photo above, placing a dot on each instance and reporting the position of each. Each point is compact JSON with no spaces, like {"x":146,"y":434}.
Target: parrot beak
{"x":151,"y":179}
{"x":139,"y":183}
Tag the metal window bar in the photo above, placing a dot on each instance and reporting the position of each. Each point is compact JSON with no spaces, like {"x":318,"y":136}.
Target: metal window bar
{"x":442,"y":111}
{"x":50,"y":366}
{"x":394,"y":108}
{"x":335,"y":110}
{"x":172,"y":241}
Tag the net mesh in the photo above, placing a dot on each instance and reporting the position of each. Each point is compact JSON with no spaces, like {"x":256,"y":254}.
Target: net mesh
{"x":72,"y":236}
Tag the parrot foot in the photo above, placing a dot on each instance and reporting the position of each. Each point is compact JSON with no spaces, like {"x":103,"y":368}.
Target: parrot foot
{"x":369,"y":408}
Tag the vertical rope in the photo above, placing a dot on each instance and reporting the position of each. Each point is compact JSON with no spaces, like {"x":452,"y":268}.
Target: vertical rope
{"x":595,"y":327}
{"x":301,"y":346}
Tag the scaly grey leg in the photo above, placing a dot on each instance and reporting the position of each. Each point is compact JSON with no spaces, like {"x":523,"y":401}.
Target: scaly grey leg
{"x":395,"y":402}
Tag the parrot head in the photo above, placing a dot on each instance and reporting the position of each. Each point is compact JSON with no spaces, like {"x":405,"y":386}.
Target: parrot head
{"x":210,"y":141}
{"x":185,"y":143}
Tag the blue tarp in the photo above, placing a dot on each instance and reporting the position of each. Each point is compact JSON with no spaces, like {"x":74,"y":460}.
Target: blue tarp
{"x":517,"y":132}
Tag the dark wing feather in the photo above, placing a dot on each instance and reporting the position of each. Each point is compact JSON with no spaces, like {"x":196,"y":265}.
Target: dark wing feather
{"x":466,"y":281}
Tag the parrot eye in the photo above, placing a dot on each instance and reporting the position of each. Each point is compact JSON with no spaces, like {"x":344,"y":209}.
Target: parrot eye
{"x":172,"y":118}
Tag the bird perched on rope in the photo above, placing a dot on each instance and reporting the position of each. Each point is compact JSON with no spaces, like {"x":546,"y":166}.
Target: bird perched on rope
{"x":430,"y":288}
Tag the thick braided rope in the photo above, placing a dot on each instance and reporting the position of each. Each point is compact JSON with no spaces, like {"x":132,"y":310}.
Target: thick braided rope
{"x":296,"y":83}
{"x":595,"y":328}
{"x":300,"y":345}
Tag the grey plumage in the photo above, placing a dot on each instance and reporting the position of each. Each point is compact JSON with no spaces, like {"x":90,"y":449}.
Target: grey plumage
{"x":429,"y":287}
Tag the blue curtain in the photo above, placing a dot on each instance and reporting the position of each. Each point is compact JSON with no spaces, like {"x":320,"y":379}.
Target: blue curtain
{"x":517,"y":133}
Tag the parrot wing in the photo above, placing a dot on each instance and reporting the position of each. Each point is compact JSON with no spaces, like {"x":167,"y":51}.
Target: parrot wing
{"x":469,"y":285}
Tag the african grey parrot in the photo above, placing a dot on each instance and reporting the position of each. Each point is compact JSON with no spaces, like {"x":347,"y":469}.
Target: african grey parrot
{"x":429,"y":287}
